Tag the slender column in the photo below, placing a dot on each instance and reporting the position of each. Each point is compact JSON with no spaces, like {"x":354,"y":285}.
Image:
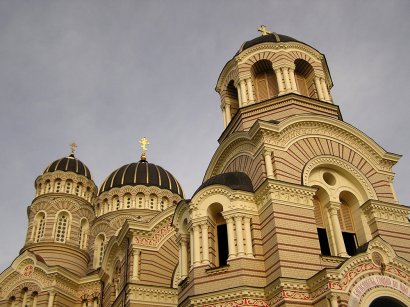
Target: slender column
{"x":205,"y":248}
{"x":51,"y":296}
{"x":197,"y":248}
{"x":24,"y":301}
{"x":279,"y":79}
{"x":223,"y":114}
{"x":243,"y":92}
{"x":228,"y":113}
{"x":239,"y":96}
{"x":286,"y":78}
{"x":239,"y":235}
{"x":184,"y":258}
{"x":333,"y":300}
{"x":319,"y":88}
{"x":95,"y":303}
{"x":34,"y":302}
{"x":85,"y":304}
{"x":324,"y":88}
{"x":333,"y":208}
{"x":191,"y":240}
{"x":248,"y":237}
{"x":268,"y":163}
{"x":250,"y":90}
{"x":293,"y":79}
{"x":231,"y":238}
{"x":136,"y":264}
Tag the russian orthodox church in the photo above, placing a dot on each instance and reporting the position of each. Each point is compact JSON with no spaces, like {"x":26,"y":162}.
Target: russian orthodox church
{"x":297,"y":208}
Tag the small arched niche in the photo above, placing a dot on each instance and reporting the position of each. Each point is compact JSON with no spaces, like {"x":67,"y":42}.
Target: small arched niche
{"x":264,"y":80}
{"x":304,"y":76}
{"x":219,"y":237}
{"x":232,"y":95}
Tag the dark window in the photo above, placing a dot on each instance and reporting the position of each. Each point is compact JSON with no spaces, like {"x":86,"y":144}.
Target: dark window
{"x":350,"y":242}
{"x":324,"y":243}
{"x":386,"y":301}
{"x":222,"y":244}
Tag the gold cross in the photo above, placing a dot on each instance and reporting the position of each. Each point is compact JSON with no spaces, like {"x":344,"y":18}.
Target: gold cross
{"x":144,"y":142}
{"x":264,"y":30}
{"x":73,"y":147}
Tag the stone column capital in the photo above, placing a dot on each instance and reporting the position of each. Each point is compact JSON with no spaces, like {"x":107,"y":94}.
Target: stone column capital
{"x":333,"y":207}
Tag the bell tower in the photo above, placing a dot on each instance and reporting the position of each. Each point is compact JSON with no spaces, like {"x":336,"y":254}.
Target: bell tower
{"x":273,"y":77}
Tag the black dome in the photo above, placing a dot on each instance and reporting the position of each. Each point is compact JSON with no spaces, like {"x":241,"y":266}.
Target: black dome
{"x":69,"y":164}
{"x":234,"y":180}
{"x":269,"y":38}
{"x":141,"y":173}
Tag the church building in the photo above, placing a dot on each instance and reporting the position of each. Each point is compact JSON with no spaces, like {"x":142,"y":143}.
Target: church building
{"x":296,"y":208}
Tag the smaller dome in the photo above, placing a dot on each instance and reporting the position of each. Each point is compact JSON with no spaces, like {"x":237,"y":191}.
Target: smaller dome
{"x":142,"y":173}
{"x":269,"y":38}
{"x":69,"y":164}
{"x":234,"y":180}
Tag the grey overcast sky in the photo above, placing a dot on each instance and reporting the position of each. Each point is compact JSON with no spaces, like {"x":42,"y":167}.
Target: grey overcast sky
{"x":106,"y":73}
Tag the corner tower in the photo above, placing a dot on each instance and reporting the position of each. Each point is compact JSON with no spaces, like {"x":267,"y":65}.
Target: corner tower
{"x":61,"y":214}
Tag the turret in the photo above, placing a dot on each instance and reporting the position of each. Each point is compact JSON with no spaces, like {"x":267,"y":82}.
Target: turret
{"x":61,"y":213}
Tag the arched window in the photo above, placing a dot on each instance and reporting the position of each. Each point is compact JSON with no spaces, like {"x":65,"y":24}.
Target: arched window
{"x":140,"y":200}
{"x":83,"y":235}
{"x":79,"y":189}
{"x":39,"y":226}
{"x":68,"y":186}
{"x":232,"y":95}
{"x":346,"y":224}
{"x":219,"y":236}
{"x":57,"y":185}
{"x":99,"y":246}
{"x":116,"y":202}
{"x":265,"y":81}
{"x":164,"y":203}
{"x":304,"y":76}
{"x":127,"y":200}
{"x":321,"y":227}
{"x":61,"y":227}
{"x":153,"y":202}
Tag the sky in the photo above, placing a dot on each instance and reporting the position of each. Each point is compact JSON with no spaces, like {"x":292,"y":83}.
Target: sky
{"x":106,"y":73}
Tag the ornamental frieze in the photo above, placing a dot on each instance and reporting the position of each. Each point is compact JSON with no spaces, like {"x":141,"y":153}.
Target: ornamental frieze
{"x":155,"y":238}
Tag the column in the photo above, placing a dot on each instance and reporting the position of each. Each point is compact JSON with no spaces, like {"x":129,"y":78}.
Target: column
{"x":268,"y":164}
{"x":51,"y":296}
{"x":318,"y":88}
{"x":231,"y":238}
{"x":24,"y":301}
{"x":325,"y":90}
{"x":238,"y":88}
{"x":223,"y":113}
{"x":197,"y":248}
{"x":95,"y":302}
{"x":191,"y":245}
{"x":85,"y":303}
{"x":243,"y":92}
{"x":286,"y":78}
{"x":34,"y":302}
{"x":228,"y":113}
{"x":279,"y":79}
{"x":136,"y":264}
{"x":333,"y":208}
{"x":239,"y":235}
{"x":250,"y":90}
{"x":333,"y":300}
{"x":293,"y":79}
{"x":184,"y":258}
{"x":205,"y":248}
{"x":248,"y":237}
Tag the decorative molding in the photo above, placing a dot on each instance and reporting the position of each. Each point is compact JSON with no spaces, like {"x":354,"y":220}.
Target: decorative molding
{"x":386,"y":212}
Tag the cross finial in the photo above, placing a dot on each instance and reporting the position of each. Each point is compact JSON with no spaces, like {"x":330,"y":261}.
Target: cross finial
{"x":73,"y":147}
{"x":264,"y":30}
{"x":144,"y":142}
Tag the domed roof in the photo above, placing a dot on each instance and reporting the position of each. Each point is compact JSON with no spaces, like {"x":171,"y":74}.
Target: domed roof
{"x":69,"y":164}
{"x":234,"y":180}
{"x":141,"y":173}
{"x":267,"y":38}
